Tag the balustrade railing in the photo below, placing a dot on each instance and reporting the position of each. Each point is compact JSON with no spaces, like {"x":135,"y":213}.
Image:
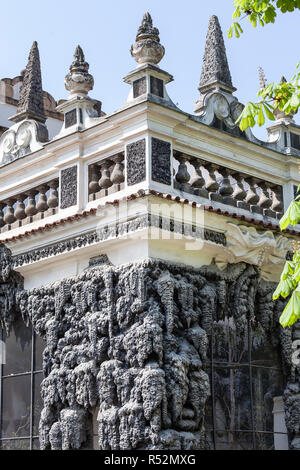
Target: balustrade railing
{"x":221,"y":184}
{"x":106,"y":177}
{"x":193,"y":175}
{"x":26,"y":207}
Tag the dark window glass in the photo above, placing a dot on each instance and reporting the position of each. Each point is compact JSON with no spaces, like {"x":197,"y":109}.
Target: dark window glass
{"x":16,"y":406}
{"x":35,"y":444}
{"x":232,"y":398}
{"x":266,"y":384}
{"x":245,"y":374}
{"x":20,"y":398}
{"x":18,"y":349}
{"x":15,"y":444}
{"x":37,"y":403}
{"x":231,"y":346}
{"x":38,"y":353}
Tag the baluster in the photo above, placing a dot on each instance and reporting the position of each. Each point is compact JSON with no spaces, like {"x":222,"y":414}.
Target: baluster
{"x":94,"y":178}
{"x":197,"y":182}
{"x":212,"y":185}
{"x":117,"y":174}
{"x":53,"y":195}
{"x":277,"y":204}
{"x":226,"y":188}
{"x":9,"y":217}
{"x":265,"y":201}
{"x":2,"y":223}
{"x":31,"y":209}
{"x":182,"y":177}
{"x":239,"y":192}
{"x":42,"y":205}
{"x":20,"y":208}
{"x":105,"y":181}
{"x":252,"y":197}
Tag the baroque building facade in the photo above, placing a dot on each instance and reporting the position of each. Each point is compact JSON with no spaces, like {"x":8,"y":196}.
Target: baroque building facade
{"x":139,"y":253}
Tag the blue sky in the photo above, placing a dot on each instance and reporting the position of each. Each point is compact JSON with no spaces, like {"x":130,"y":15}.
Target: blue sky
{"x":106,"y":30}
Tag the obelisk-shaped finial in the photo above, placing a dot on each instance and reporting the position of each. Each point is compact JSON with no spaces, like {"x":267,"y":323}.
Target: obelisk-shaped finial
{"x":215,"y":65}
{"x":31,"y":101}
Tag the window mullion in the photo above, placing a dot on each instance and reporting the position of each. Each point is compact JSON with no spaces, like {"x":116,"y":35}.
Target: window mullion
{"x":1,"y":372}
{"x":251,"y":381}
{"x":212,"y":369}
{"x":32,"y":388}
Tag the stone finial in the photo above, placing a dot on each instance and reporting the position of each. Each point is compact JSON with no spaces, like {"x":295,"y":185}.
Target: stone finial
{"x":79,"y":81}
{"x":215,"y":66}
{"x":147,"y":48}
{"x":31,"y":102}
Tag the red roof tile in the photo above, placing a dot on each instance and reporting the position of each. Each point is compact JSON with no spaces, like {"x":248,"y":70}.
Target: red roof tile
{"x":143,"y":193}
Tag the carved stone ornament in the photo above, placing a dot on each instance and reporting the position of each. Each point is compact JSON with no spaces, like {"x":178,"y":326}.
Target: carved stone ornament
{"x":133,"y":342}
{"x":147,"y":48}
{"x":245,"y":244}
{"x":221,"y":107}
{"x":216,"y":105}
{"x":113,"y":231}
{"x":21,"y":139}
{"x":79,"y":81}
{"x":68,"y":187}
{"x":215,"y":65}
{"x":136,"y":162}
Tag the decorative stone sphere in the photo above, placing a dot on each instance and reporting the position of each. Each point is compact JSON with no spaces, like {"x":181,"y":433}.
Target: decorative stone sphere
{"x":79,"y":83}
{"x":147,"y":50}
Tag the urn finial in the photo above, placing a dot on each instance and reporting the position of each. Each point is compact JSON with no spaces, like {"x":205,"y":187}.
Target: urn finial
{"x":147,"y":48}
{"x":79,"y":81}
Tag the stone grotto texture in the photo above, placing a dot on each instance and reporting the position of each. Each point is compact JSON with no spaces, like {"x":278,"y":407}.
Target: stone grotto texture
{"x":10,"y":283}
{"x":132,"y":342}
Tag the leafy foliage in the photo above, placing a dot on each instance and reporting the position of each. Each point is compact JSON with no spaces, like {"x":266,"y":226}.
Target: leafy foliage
{"x":290,"y":277}
{"x":259,"y":12}
{"x":284,"y":96}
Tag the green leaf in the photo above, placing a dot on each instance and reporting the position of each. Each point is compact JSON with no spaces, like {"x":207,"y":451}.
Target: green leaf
{"x":229,"y":32}
{"x":261,"y":117}
{"x":291,"y":312}
{"x":284,"y":289}
{"x":288,"y":270}
{"x":236,"y":31}
{"x":269,"y":113}
{"x":292,"y":215}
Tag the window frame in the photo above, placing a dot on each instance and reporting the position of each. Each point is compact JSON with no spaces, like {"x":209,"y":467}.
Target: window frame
{"x":31,"y":437}
{"x":211,"y":364}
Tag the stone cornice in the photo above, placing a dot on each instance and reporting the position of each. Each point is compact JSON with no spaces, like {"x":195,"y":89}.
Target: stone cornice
{"x":116,"y":230}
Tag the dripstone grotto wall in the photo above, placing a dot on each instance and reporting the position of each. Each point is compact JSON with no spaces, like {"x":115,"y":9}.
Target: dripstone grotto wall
{"x":132,"y":341}
{"x":10,"y":283}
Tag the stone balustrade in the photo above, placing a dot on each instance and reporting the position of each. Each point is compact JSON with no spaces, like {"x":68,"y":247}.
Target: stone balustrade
{"x":106,"y":177}
{"x":34,"y":204}
{"x":227,"y":186}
